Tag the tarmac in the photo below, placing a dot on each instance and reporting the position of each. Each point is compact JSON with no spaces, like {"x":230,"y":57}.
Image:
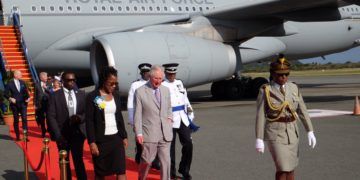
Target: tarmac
{"x":224,"y":147}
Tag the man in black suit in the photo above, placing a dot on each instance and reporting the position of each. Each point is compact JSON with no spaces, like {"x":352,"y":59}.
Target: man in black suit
{"x":41,"y":101}
{"x":18,"y":95}
{"x":66,"y":121}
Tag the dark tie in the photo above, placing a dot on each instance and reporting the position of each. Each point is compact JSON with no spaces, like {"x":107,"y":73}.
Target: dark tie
{"x":282,"y":90}
{"x":157,"y":95}
{"x":71,"y":106}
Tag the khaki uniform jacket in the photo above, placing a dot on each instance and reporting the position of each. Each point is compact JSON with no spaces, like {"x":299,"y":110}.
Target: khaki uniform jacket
{"x":151,"y":119}
{"x":280,"y":131}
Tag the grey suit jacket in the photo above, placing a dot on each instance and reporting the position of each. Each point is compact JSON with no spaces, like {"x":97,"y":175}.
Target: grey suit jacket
{"x":151,"y":119}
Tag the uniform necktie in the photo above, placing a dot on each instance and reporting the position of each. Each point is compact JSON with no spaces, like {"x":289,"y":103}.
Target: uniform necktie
{"x":71,"y":106}
{"x":157,"y":95}
{"x":282,"y":90}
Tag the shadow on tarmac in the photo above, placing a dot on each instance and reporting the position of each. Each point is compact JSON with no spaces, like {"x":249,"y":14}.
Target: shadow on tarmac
{"x":11,"y":174}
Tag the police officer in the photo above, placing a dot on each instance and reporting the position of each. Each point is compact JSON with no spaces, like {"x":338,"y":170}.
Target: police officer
{"x":145,"y":75}
{"x":279,"y":107}
{"x":182,"y":117}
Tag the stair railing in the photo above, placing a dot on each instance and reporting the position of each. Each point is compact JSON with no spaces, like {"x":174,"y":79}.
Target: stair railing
{"x":16,"y":22}
{"x":2,"y":66}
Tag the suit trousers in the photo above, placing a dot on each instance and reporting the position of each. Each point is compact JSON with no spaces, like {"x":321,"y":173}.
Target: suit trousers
{"x":40,"y":119}
{"x":186,"y":151}
{"x":75,"y":145}
{"x":150,"y":150}
{"x":16,"y":109}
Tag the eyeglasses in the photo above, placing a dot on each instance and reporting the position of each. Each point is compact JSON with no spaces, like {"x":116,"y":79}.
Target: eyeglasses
{"x":70,"y":80}
{"x":283,"y":74}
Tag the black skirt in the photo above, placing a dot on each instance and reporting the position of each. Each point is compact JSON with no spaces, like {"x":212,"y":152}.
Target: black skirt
{"x":111,"y":159}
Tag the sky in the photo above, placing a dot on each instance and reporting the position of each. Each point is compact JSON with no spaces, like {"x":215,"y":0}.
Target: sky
{"x":352,"y":55}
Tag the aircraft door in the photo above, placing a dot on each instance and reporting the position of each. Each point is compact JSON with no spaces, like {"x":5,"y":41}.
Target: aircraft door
{"x":179,"y":53}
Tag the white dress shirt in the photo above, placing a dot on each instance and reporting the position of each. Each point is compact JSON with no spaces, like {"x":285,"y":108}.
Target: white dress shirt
{"x":66,"y":92}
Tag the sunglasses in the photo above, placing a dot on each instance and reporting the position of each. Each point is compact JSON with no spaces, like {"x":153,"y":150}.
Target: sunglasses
{"x":283,"y":74}
{"x":111,"y":83}
{"x":69,"y":80}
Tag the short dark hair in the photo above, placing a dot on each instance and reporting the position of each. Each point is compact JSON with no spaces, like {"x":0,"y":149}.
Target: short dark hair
{"x":105,"y":73}
{"x":66,"y":73}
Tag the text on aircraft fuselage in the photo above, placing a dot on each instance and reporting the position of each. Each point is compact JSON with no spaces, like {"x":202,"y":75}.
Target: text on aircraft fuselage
{"x":199,"y":2}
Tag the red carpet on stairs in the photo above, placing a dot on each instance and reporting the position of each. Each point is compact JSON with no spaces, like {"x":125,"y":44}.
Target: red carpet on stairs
{"x":35,"y":146}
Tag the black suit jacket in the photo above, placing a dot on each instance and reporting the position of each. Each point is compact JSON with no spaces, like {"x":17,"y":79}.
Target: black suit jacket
{"x":95,"y":119}
{"x":41,"y":96}
{"x":58,"y":115}
{"x":12,"y":92}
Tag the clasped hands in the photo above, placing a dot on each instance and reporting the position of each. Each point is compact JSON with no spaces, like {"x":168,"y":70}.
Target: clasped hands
{"x":260,"y":146}
{"x":95,"y":150}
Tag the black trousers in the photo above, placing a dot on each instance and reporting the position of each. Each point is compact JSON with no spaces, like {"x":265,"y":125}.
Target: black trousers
{"x":40,"y":119}
{"x":187,"y":150}
{"x":74,"y":145}
{"x":16,"y":109}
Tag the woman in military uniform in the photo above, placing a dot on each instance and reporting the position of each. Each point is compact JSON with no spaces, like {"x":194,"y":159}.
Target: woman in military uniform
{"x":279,"y":107}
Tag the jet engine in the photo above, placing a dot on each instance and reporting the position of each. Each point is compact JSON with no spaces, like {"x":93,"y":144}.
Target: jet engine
{"x":200,"y":60}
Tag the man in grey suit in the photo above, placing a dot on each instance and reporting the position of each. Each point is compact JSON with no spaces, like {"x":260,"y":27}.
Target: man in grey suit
{"x":153,"y":123}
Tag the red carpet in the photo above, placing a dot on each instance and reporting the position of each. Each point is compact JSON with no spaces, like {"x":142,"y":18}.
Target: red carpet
{"x":34,"y":154}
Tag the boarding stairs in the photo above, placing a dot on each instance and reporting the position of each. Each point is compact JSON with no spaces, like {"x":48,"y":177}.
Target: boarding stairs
{"x":13,"y":56}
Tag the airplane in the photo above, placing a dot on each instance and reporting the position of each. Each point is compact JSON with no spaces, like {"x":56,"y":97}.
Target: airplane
{"x":210,"y":39}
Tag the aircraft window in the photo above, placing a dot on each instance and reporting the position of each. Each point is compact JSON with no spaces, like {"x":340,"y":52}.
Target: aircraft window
{"x":33,"y":8}
{"x":69,"y":8}
{"x":127,"y":8}
{"x":111,"y":8}
{"x":187,"y":8}
{"x":207,"y":8}
{"x":78,"y":8}
{"x":95,"y":8}
{"x":52,"y":8}
{"x":42,"y":8}
{"x":194,"y":8}
{"x":143,"y":8}
{"x":61,"y":8}
{"x":151,"y":8}
{"x":200,"y":8}
{"x":103,"y":8}
{"x":165,"y":8}
{"x":158,"y":8}
{"x":347,"y":9}
{"x":135,"y":8}
{"x":180,"y":9}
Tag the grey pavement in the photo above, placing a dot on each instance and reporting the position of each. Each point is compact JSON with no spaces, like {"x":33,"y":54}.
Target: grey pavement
{"x":11,"y":157}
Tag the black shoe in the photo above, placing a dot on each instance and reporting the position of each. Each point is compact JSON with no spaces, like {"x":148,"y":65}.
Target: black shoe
{"x":185,"y":176}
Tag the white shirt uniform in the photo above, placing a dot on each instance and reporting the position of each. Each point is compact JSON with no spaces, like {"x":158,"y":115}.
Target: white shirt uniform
{"x":130,"y":101}
{"x":179,"y":98}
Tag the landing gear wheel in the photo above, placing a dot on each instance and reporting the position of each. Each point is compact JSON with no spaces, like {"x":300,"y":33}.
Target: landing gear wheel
{"x":256,"y":85}
{"x":218,"y":89}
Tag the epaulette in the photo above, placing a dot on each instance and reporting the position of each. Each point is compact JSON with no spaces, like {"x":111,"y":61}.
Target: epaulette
{"x":136,"y":80}
{"x":264,"y":85}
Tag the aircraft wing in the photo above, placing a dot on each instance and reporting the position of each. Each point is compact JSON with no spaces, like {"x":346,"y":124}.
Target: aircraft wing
{"x":246,"y":9}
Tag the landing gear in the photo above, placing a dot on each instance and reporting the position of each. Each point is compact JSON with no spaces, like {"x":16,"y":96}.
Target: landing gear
{"x":237,"y":88}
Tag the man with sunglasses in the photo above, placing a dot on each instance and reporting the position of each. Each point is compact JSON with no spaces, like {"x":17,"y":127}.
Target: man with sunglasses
{"x":279,"y":107}
{"x":66,"y":121}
